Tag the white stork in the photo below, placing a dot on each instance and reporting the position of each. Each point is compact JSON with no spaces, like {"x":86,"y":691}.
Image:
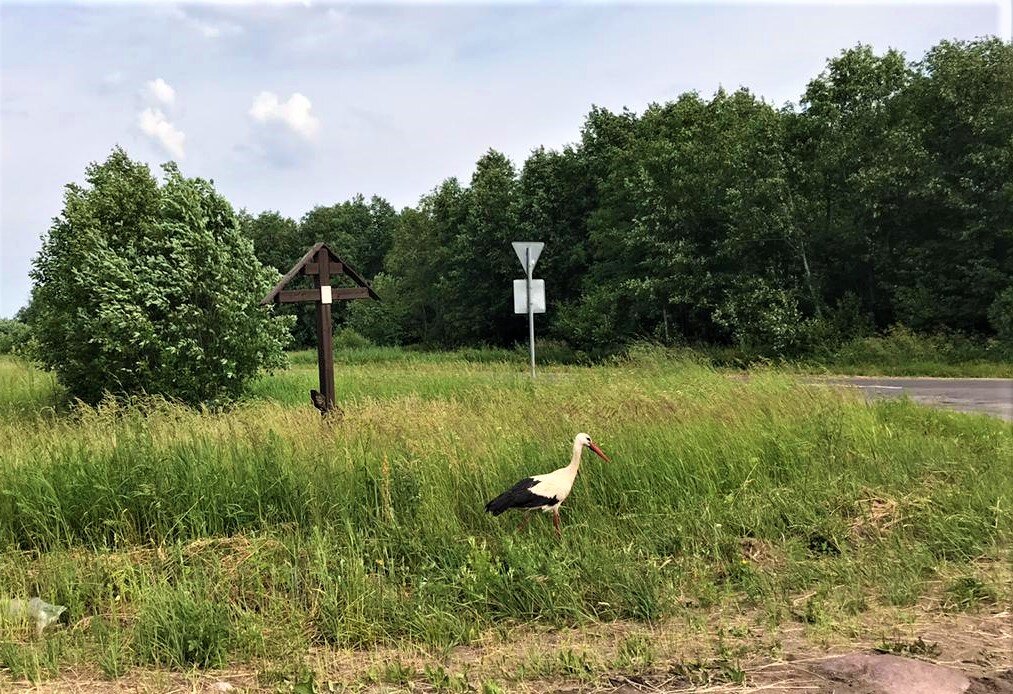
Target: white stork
{"x":545,"y":492}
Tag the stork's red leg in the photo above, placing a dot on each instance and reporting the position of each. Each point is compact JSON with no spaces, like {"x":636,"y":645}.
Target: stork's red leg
{"x":555,"y":523}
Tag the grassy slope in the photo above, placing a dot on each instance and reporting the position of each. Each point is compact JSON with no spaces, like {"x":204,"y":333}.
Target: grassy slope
{"x":903,"y":353}
{"x":920,"y":369}
{"x":898,"y":352}
{"x":261,"y":532}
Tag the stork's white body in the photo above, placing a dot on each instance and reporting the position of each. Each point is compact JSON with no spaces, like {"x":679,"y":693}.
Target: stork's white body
{"x":545,"y":492}
{"x":558,"y":483}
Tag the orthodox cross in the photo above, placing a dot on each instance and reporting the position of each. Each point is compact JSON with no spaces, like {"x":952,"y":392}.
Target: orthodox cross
{"x":321,"y":264}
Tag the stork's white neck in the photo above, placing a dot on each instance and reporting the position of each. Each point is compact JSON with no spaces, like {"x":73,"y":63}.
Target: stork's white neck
{"x":578,"y":451}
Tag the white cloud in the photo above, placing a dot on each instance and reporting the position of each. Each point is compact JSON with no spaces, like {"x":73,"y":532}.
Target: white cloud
{"x":110,"y":82}
{"x":208,"y":28}
{"x":162,"y":92}
{"x":214,"y":30}
{"x":154,"y":124}
{"x":294,"y":113}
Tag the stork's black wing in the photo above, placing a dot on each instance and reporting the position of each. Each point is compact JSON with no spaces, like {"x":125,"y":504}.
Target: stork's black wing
{"x":519,"y":496}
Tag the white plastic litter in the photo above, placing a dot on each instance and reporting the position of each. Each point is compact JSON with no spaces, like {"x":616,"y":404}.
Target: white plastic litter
{"x":36,"y":610}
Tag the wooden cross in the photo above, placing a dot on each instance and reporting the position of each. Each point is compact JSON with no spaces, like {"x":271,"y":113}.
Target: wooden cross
{"x":320,"y":263}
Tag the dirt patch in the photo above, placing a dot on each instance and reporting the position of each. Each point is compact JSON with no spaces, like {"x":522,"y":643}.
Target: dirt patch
{"x":876,"y":516}
{"x":999,"y":683}
{"x":893,"y":674}
{"x":715,"y":651}
{"x":761,"y":552}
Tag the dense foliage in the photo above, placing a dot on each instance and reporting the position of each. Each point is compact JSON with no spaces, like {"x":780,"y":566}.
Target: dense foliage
{"x":362,"y":231}
{"x":884,"y":198}
{"x":148,"y":288}
{"x":14,"y":335}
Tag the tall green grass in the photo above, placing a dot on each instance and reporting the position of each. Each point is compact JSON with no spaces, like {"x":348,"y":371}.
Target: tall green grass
{"x":898,"y":352}
{"x":25,"y":390}
{"x":901,"y":352}
{"x":265,"y":529}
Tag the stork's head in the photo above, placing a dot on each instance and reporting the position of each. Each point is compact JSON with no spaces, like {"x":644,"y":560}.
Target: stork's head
{"x":585,"y":441}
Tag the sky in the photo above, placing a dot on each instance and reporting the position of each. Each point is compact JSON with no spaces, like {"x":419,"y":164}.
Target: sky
{"x":291,"y":105}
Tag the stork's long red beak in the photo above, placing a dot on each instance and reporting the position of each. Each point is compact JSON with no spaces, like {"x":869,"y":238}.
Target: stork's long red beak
{"x":600,"y":452}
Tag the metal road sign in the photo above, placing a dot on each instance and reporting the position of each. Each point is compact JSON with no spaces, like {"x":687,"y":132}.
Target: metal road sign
{"x":521,"y":296}
{"x":521,"y":248}
{"x":531,"y":290}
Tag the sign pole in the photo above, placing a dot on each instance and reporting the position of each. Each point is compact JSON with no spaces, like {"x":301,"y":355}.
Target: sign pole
{"x":531,"y":313}
{"x":528,"y":252}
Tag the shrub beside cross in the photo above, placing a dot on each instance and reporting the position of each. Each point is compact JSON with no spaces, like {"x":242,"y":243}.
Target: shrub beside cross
{"x":321,"y":264}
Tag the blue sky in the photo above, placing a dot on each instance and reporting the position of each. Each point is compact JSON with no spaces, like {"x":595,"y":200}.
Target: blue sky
{"x":287,"y":106}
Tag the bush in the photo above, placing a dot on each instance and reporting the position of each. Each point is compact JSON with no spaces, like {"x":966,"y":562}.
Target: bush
{"x":900,"y":349}
{"x":765,"y":320}
{"x":14,"y":336}
{"x":346,"y":338}
{"x":179,"y":628}
{"x":549,"y":351}
{"x":381,"y":322}
{"x":148,"y":288}
{"x":1000,"y":315}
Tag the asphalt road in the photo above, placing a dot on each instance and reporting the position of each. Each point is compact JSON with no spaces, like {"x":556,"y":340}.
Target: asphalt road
{"x":990,"y":395}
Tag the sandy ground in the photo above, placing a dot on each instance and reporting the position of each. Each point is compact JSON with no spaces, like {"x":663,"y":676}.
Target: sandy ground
{"x":974,"y":654}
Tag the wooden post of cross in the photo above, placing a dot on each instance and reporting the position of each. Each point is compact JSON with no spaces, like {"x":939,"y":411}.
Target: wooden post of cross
{"x":325,"y":347}
{"x":321,"y":264}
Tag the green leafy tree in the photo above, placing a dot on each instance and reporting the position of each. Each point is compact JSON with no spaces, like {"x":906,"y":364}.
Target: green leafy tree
{"x":694,"y":222}
{"x":373,"y":245}
{"x":884,"y":197}
{"x":383,"y":322}
{"x":1000,"y":315}
{"x":476,"y":282}
{"x":277,"y":243}
{"x":556,"y":195}
{"x":415,"y":265}
{"x":957,"y":226}
{"x":15,"y":336}
{"x":360,"y":233}
{"x":854,"y":162}
{"x":148,"y":288}
{"x":275,"y":238}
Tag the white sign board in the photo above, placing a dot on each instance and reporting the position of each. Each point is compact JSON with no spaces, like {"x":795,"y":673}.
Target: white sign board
{"x":537,"y":296}
{"x":521,"y":248}
{"x":325,"y":294}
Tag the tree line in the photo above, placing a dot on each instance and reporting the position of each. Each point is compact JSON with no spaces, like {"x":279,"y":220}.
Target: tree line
{"x":884,"y":197}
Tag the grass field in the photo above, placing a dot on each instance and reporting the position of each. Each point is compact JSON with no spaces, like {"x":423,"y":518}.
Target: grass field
{"x":266,"y":541}
{"x":898,"y":352}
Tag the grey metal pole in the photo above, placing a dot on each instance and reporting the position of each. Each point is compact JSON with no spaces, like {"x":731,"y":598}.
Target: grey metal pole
{"x":531,"y":312}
